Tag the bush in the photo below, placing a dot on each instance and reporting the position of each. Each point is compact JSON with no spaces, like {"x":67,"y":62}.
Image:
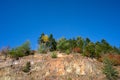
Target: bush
{"x":109,"y":71}
{"x":23,"y":50}
{"x":114,"y":58}
{"x":27,"y":67}
{"x":67,"y":51}
{"x":77,"y":50}
{"x":42,"y":49}
{"x":32,"y":52}
{"x":63,"y":45}
{"x":90,"y":50}
{"x":15,"y":53}
{"x":5,"y":52}
{"x":54,"y":55}
{"x":69,"y":78}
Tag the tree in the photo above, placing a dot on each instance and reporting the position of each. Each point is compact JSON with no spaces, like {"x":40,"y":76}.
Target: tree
{"x":116,"y":50}
{"x":72,"y":44}
{"x":52,"y":43}
{"x":42,"y":49}
{"x":40,"y":40}
{"x":98,"y":50}
{"x":45,"y":39}
{"x":105,"y":46}
{"x":90,"y":50}
{"x":25,"y":47}
{"x":110,"y":72}
{"x":87,"y":40}
{"x":63,"y":45}
{"x":80,"y":43}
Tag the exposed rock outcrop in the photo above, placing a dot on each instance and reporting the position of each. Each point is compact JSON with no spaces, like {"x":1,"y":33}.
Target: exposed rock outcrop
{"x":43,"y":67}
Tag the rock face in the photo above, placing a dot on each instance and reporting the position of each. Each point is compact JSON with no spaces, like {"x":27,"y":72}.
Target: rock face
{"x":65,"y":67}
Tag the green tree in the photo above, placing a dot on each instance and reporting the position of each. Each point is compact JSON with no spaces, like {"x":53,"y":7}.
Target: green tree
{"x":90,"y":50}
{"x":80,"y":43}
{"x":52,"y":43}
{"x":98,"y":50}
{"x":110,"y":72}
{"x":63,"y":45}
{"x":40,"y":40}
{"x":106,"y":48}
{"x":25,"y":48}
{"x":72,"y":44}
{"x":116,"y":50}
{"x":87,"y":41}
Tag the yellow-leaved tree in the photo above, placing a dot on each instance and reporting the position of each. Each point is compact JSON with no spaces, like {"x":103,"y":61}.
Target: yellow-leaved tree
{"x":45,"y":38}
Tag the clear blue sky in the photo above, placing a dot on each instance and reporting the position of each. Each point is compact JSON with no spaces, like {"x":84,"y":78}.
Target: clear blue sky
{"x":22,"y":20}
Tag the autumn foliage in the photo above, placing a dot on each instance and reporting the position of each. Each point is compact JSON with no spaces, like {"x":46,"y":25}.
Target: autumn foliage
{"x":77,"y":50}
{"x":115,"y":58}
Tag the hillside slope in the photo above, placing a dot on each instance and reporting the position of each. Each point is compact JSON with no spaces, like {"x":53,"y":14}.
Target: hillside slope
{"x":43,"y":67}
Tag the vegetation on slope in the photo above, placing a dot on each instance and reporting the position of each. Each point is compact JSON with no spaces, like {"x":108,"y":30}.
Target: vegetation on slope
{"x":77,"y":45}
{"x":98,"y":50}
{"x":110,"y":72}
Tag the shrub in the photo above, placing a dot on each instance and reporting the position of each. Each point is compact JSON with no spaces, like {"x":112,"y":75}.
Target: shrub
{"x":26,"y":68}
{"x":69,"y":78}
{"x":77,"y":50}
{"x":54,"y":55}
{"x":42,"y":49}
{"x":114,"y":58}
{"x":90,"y":50}
{"x":5,"y":52}
{"x":32,"y":52}
{"x":109,"y":71}
{"x":98,"y":50}
{"x":63,"y":45}
{"x":15,"y":53}
{"x":67,"y":51}
{"x":23,"y":50}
